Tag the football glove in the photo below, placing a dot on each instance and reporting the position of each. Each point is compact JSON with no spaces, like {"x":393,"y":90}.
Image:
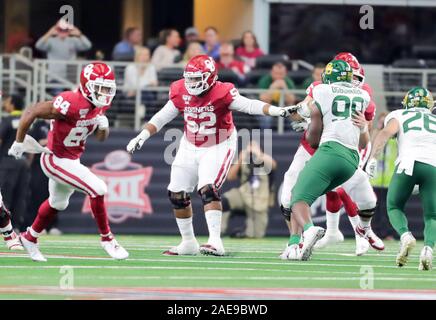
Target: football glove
{"x":371,"y":167}
{"x":16,"y":150}
{"x":102,"y":122}
{"x":137,"y":142}
{"x":299,"y":126}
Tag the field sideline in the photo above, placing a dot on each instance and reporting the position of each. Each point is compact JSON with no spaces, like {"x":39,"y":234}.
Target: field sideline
{"x":251,"y":270}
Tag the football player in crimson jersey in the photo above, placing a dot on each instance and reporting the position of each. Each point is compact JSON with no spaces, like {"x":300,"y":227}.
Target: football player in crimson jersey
{"x":75,"y":116}
{"x":358,"y":188}
{"x":206,"y":150}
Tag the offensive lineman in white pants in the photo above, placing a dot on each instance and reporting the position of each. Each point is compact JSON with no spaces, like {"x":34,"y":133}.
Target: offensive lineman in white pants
{"x":206,"y":149}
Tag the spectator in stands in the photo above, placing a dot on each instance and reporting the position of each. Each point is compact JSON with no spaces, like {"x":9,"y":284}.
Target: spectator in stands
{"x":249,"y":49}
{"x":125,"y":49}
{"x":193,"y":49}
{"x":211,"y":42}
{"x":165,"y":55}
{"x":62,"y":42}
{"x":14,"y":174}
{"x":227,"y":61}
{"x":141,"y":74}
{"x":316,"y":75}
{"x":277,"y":82}
{"x":255,"y":194}
{"x":191,"y":35}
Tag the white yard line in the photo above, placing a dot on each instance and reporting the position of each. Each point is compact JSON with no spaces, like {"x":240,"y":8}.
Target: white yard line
{"x":42,"y":267}
{"x":210,"y":261}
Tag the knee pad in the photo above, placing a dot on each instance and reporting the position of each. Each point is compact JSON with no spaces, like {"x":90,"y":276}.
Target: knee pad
{"x":179,"y":200}
{"x":368,"y":213}
{"x":58,"y":204}
{"x":209,"y":193}
{"x":101,"y":188}
{"x":286,"y":212}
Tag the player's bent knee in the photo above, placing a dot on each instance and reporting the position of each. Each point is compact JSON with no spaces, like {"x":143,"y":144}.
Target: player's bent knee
{"x":209,"y":193}
{"x":101,"y":188}
{"x":367,"y":213}
{"x":58,"y":204}
{"x":179,"y":200}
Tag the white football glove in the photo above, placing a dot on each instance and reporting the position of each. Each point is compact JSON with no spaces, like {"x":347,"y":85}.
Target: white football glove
{"x":287,"y":111}
{"x":371,"y":167}
{"x":102,"y":122}
{"x":137,"y":142}
{"x":299,"y":126}
{"x":276,"y":111}
{"x":16,"y":150}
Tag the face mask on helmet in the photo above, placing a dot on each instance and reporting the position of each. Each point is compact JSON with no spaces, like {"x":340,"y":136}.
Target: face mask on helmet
{"x":102,"y":92}
{"x":358,"y":79}
{"x":196,"y":82}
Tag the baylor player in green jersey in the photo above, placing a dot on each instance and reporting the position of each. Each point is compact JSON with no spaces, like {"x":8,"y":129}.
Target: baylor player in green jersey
{"x":339,"y":127}
{"x":415,"y":128}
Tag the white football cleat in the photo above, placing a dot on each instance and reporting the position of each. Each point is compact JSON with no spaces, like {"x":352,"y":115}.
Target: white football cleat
{"x":213,"y":247}
{"x":374,"y":241}
{"x":329,"y":239}
{"x":188,"y":248}
{"x":407,"y":243}
{"x":13,"y":242}
{"x":310,"y":237}
{"x":32,"y":249}
{"x":292,"y":252}
{"x":114,"y":249}
{"x":362,"y":245}
{"x":426,"y":259}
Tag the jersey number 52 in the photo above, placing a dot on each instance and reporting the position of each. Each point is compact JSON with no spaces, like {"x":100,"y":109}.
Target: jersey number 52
{"x":201,"y":126}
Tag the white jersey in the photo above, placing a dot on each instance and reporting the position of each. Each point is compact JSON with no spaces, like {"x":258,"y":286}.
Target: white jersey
{"x":337,"y":102}
{"x":416,"y":137}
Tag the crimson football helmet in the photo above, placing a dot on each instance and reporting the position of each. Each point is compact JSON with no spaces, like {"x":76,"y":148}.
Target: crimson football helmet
{"x":97,"y":84}
{"x":358,"y":72}
{"x":200,"y":74}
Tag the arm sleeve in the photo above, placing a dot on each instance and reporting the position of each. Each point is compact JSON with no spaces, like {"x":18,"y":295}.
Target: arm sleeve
{"x":42,"y":44}
{"x":165,"y":115}
{"x":245,"y":105}
{"x":82,"y":43}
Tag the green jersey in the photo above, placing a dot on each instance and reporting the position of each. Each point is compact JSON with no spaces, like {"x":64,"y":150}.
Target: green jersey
{"x":416,"y":137}
{"x":337,"y":102}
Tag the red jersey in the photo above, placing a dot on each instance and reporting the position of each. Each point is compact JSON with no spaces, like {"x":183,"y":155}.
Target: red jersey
{"x":208,"y":119}
{"x":369,"y":113}
{"x":67,"y":137}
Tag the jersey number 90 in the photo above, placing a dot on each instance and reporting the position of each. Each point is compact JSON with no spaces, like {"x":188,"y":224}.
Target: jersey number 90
{"x":343,"y":107}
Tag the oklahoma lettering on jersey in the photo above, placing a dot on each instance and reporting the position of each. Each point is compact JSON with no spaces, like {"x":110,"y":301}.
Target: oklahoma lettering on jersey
{"x":207,"y":118}
{"x":67,"y":137}
{"x":369,"y":115}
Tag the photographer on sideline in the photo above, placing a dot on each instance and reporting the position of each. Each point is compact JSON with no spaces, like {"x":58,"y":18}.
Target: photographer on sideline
{"x":254,"y":195}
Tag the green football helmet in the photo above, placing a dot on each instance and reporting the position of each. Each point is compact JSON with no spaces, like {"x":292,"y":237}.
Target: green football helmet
{"x":418,"y":97}
{"x":337,"y":71}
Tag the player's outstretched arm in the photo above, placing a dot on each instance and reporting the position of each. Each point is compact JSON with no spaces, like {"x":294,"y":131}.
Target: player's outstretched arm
{"x":156,"y":123}
{"x":390,"y":130}
{"x":255,"y":107}
{"x":41,"y":110}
